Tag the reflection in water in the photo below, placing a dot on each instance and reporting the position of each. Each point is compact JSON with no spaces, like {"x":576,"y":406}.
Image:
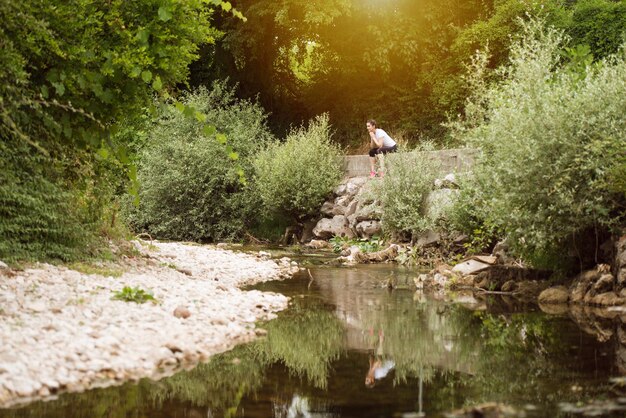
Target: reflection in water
{"x":347,"y":347}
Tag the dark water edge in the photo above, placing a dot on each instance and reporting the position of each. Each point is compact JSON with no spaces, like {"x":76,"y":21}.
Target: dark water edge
{"x":347,"y":347}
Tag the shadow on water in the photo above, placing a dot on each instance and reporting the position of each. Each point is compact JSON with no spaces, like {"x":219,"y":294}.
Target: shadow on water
{"x":347,"y":347}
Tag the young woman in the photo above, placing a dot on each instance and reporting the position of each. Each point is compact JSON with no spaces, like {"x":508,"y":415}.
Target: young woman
{"x":380,"y":142}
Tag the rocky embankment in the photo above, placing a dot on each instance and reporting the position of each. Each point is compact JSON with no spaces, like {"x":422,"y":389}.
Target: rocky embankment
{"x":60,"y":330}
{"x":354,"y":212}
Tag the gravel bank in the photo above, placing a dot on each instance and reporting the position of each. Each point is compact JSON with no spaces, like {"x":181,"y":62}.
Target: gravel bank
{"x":61,"y":331}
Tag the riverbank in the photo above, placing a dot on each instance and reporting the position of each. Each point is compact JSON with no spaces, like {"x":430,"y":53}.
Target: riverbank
{"x":60,"y":330}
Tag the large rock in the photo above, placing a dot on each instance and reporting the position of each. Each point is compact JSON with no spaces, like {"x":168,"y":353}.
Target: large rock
{"x":337,"y":226}
{"x":470,"y":267}
{"x":501,"y":252}
{"x":582,"y":284}
{"x":327,"y":208}
{"x":351,"y":208}
{"x":318,"y":244}
{"x":558,"y":294}
{"x":607,"y":299}
{"x":350,"y":186}
{"x":340,"y":205}
{"x":367,"y":213}
{"x":343,"y":200}
{"x":332,"y":208}
{"x":428,"y":238}
{"x":604,"y":284}
{"x":368,"y":229}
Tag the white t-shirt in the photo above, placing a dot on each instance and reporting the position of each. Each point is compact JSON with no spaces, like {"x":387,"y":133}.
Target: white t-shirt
{"x":384,"y":369}
{"x":387,"y":141}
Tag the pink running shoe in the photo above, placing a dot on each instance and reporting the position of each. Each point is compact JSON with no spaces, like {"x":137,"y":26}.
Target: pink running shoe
{"x":372,"y":174}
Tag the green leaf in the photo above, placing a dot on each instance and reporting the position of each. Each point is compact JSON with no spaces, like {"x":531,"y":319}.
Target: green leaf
{"x":132,"y":173}
{"x":146,"y":76}
{"x":233,"y":156}
{"x":221,"y":138}
{"x":164,"y":13}
{"x":104,"y":153}
{"x":209,"y":130}
{"x":143,"y":35}
{"x":239,"y":15}
{"x":201,"y":117}
{"x":44,"y":92}
{"x":180,"y":107}
{"x":226,"y":6}
{"x":59,"y":87}
{"x":157,"y":84}
{"x":122,"y":155}
{"x":135,"y":72}
{"x":189,"y":111}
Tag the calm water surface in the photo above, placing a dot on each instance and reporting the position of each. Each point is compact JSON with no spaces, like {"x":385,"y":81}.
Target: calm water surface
{"x":348,"y":347}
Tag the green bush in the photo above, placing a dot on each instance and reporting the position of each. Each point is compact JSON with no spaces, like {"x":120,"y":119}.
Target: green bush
{"x":295,"y":177}
{"x":68,"y":72}
{"x":601,"y":24}
{"x":190,"y":189}
{"x":403,"y":191}
{"x":53,"y":208}
{"x":553,"y":141}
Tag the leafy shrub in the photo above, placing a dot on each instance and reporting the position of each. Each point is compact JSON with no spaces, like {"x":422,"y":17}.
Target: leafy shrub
{"x":295,"y":177}
{"x":365,"y":245}
{"x":467,"y":215}
{"x":49,"y":211}
{"x":190,"y":190}
{"x":552,"y":142}
{"x":600,"y":24}
{"x":404,"y":189}
{"x":69,"y":71}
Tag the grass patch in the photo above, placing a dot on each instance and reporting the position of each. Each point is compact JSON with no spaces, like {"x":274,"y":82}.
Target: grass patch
{"x":91,"y":268}
{"x":133,"y":294}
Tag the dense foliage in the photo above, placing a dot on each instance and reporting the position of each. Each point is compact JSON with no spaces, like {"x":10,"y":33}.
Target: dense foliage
{"x":553,"y":139}
{"x":403,"y":190}
{"x":401,"y":62}
{"x":68,"y":71}
{"x":189,"y":190}
{"x":294,"y":178}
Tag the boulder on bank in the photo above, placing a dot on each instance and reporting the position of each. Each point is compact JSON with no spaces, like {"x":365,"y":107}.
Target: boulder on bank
{"x":388,"y":254}
{"x":368,"y":229}
{"x":554,"y":295}
{"x":318,"y":244}
{"x":428,"y":238}
{"x":350,"y":186}
{"x":607,"y":299}
{"x":473,"y":264}
{"x":337,"y":226}
{"x":590,"y":283}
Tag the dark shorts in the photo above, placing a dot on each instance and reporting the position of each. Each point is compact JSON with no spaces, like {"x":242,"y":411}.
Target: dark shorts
{"x":383,"y":150}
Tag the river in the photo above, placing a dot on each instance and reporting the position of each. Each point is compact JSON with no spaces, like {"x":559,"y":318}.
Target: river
{"x":350,"y":347}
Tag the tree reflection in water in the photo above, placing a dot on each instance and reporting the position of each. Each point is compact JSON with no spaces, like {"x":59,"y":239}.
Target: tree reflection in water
{"x":315,"y":358}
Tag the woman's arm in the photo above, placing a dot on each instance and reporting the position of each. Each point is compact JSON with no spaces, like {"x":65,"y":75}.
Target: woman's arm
{"x":375,"y":141}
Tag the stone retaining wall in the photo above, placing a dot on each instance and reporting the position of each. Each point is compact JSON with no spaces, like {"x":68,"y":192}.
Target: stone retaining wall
{"x":452,"y":160}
